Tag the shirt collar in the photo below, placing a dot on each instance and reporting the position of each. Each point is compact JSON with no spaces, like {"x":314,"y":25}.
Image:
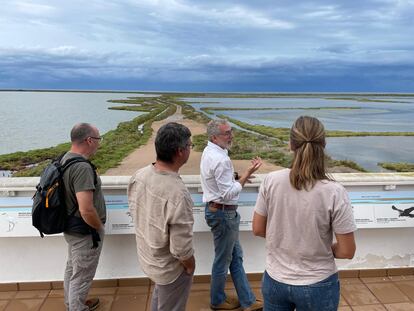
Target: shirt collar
{"x":217,"y":147}
{"x":171,"y":173}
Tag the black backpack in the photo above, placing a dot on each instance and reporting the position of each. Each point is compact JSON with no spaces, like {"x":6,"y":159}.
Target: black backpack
{"x":49,"y":212}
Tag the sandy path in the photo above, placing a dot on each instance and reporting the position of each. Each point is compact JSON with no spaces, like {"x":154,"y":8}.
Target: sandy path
{"x":146,"y":154}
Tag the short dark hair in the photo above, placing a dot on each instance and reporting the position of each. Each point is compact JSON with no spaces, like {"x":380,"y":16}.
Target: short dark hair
{"x":80,"y":132}
{"x":171,"y":137}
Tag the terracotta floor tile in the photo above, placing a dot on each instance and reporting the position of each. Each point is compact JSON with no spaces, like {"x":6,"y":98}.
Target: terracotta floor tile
{"x":24,"y":305}
{"x":53,"y":304}
{"x":200,"y":287}
{"x":255,"y":284}
{"x":31,"y":294}
{"x":387,"y":292}
{"x":202,"y":278}
{"x":134,"y":282}
{"x":129,"y":303}
{"x":378,"y":279}
{"x":369,"y":308}
{"x":356,"y":294}
{"x":56,"y":293}
{"x":99,"y":291}
{"x":342,"y":301}
{"x":407,"y":287}
{"x":199,"y":301}
{"x":206,"y":287}
{"x":348,"y":274}
{"x":3,"y":304}
{"x":35,"y":286}
{"x":404,"y":306}
{"x":365,"y":294}
{"x":372,"y":273}
{"x":255,"y":277}
{"x":396,"y":278}
{"x":400,"y":271}
{"x":105,"y":283}
{"x":346,"y":281}
{"x":8,"y":287}
{"x":57,"y":284}
{"x":133,"y":290}
{"x":7,"y":295}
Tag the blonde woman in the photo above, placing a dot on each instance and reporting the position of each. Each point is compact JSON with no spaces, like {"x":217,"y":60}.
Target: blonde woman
{"x":298,"y":211}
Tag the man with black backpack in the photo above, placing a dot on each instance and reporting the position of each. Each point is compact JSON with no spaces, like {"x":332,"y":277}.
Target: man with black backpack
{"x":86,"y":212}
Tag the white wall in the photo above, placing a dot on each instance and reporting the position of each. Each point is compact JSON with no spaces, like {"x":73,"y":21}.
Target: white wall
{"x":34,"y":259}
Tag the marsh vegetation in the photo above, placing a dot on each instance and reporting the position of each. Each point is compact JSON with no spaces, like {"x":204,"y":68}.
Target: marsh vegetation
{"x":251,"y":140}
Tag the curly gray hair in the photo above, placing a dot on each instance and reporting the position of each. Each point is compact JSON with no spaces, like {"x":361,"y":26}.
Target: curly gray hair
{"x":213,"y":127}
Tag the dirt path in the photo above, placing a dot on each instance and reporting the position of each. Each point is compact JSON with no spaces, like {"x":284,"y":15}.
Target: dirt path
{"x":146,"y":154}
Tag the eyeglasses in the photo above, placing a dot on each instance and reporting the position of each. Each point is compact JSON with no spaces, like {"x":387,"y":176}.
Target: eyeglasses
{"x":227,"y":133}
{"x":100,"y":138}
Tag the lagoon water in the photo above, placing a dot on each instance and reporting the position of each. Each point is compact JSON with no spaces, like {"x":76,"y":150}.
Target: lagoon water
{"x":30,"y":120}
{"x":368,"y":151}
{"x":380,"y":116}
{"x":373,"y":116}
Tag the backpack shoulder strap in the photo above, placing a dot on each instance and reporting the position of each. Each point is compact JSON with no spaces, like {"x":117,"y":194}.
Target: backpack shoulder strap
{"x":74,"y":160}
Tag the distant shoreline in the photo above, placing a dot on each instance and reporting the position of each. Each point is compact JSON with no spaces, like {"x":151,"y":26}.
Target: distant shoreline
{"x":274,"y":94}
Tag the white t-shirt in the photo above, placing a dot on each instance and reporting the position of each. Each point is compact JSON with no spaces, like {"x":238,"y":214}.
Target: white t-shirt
{"x":300,"y":227}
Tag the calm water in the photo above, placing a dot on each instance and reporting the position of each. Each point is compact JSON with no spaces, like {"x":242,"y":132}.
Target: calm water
{"x":31,"y":120}
{"x":368,"y":151}
{"x":373,"y":116}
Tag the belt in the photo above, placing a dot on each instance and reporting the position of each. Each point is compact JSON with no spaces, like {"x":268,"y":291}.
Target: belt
{"x":222,"y":206}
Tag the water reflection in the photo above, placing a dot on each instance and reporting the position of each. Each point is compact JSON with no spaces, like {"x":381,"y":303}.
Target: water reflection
{"x":387,"y":116}
{"x":368,"y":151}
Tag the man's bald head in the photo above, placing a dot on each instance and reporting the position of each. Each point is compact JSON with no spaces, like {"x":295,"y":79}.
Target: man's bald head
{"x":81,"y":131}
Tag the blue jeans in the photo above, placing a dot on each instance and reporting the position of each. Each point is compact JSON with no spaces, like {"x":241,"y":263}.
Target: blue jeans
{"x":224,"y":225}
{"x":321,"y":296}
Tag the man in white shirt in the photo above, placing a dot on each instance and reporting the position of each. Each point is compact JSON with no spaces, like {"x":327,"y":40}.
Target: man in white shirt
{"x":221,"y":193}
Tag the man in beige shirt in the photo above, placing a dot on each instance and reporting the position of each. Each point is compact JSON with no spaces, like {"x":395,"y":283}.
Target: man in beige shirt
{"x":162,"y":210}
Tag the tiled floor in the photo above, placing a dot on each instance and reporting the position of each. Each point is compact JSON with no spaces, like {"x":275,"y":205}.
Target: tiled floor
{"x":366,"y":293}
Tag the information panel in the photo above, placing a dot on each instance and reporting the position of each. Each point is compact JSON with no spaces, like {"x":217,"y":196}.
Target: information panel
{"x":385,"y":209}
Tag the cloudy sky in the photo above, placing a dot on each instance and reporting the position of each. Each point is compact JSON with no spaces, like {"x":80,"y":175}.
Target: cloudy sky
{"x":214,"y":45}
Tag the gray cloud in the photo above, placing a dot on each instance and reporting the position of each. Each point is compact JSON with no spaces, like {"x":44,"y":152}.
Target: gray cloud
{"x":197,"y":42}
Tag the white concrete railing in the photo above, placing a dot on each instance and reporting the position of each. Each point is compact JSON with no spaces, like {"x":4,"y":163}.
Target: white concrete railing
{"x":384,"y":239}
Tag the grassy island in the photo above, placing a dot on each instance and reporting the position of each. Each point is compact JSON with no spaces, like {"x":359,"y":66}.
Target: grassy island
{"x":283,"y":133}
{"x":117,"y":143}
{"x":398,"y":167}
{"x":210,"y":110}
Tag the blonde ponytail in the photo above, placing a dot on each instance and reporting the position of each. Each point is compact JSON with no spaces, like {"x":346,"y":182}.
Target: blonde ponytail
{"x":307,"y":141}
